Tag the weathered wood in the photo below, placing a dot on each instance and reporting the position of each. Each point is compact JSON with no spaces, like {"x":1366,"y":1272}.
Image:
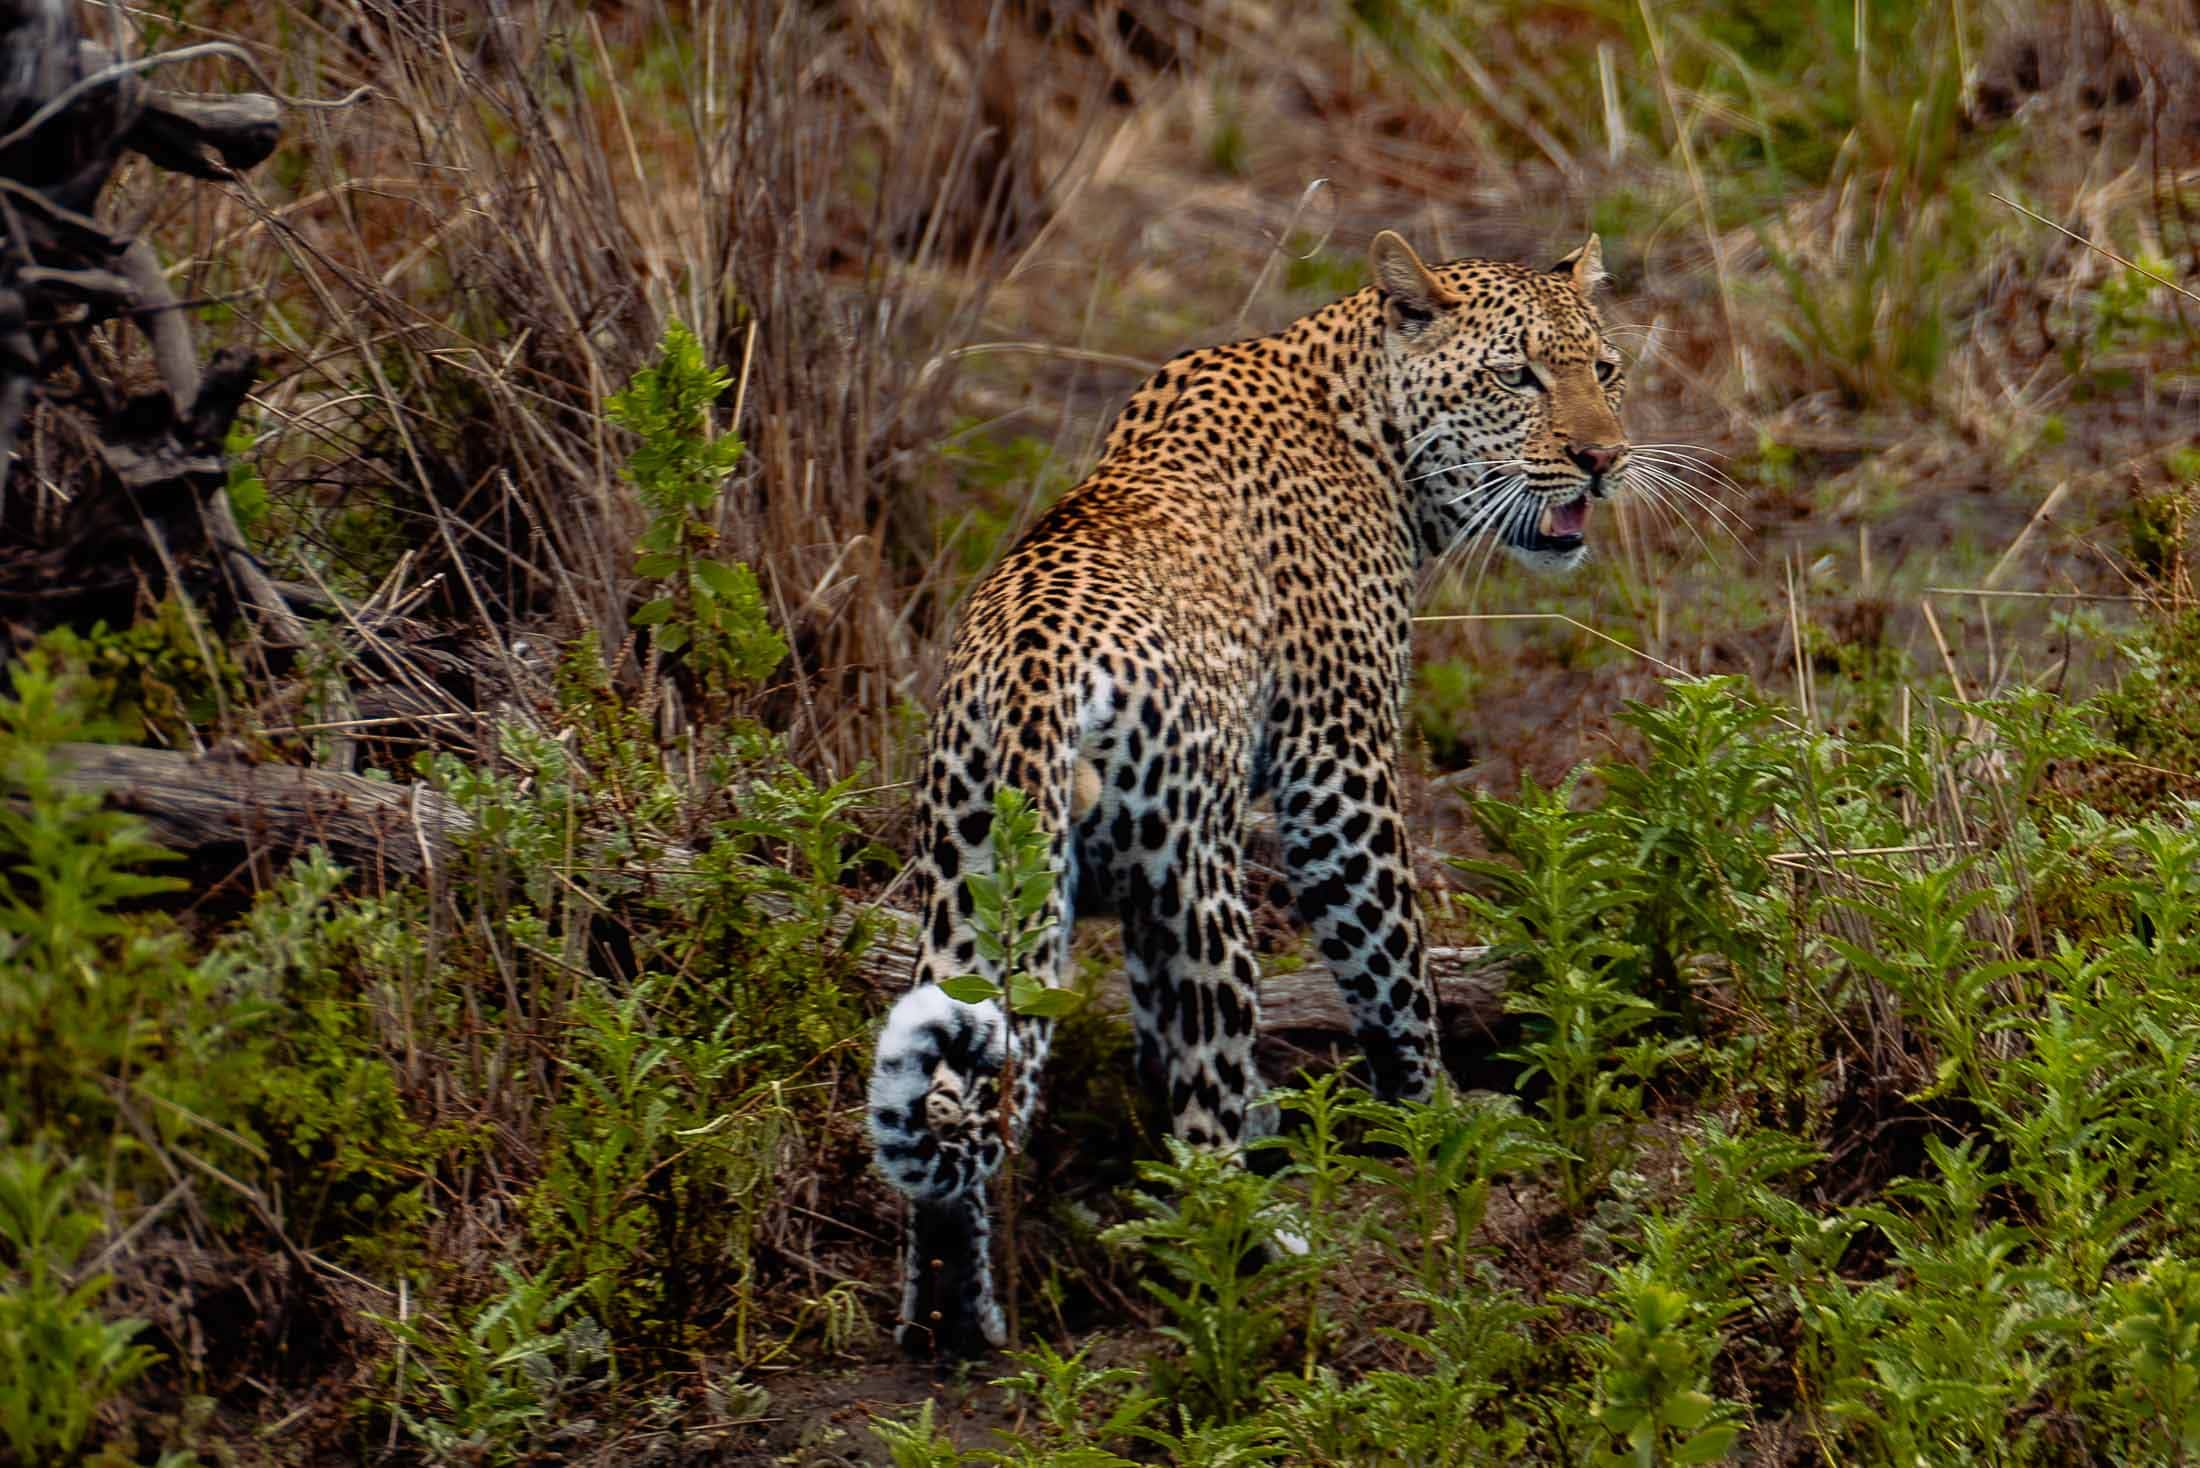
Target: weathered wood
{"x":69,"y":110}
{"x":393,"y":832}
{"x":1470,"y":987}
{"x":204,"y":136}
{"x":196,"y":803}
{"x":1470,"y":995}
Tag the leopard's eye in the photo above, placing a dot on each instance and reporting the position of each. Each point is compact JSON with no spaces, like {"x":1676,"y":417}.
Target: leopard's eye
{"x":1607,"y":369}
{"x":1520,"y":379}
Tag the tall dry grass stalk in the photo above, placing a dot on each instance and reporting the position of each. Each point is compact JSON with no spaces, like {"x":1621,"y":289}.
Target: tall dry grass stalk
{"x":448,"y":282}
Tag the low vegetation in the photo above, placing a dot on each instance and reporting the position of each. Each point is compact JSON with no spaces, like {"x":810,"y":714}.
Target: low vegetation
{"x":644,"y":387}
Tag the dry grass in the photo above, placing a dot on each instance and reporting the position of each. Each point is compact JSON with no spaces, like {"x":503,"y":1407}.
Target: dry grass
{"x":892,"y":223}
{"x":448,"y":281}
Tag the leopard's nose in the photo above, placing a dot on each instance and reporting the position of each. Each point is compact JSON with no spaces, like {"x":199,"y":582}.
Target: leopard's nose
{"x":1596,"y":458}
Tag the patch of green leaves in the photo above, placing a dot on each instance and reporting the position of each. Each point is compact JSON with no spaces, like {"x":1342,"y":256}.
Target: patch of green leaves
{"x":60,"y":1360}
{"x":713,"y":609}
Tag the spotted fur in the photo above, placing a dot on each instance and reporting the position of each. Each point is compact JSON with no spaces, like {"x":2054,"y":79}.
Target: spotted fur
{"x":1221,"y":611}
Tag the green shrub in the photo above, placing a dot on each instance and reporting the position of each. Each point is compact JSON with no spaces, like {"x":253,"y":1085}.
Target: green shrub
{"x":90,"y":994}
{"x":713,"y":609}
{"x":510,"y":1384}
{"x":60,"y":1361}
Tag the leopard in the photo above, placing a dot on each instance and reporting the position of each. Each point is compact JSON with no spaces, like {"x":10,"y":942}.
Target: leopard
{"x":1220,"y":613}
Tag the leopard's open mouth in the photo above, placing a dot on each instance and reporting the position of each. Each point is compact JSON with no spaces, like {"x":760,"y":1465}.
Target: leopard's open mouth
{"x":1559,"y":527}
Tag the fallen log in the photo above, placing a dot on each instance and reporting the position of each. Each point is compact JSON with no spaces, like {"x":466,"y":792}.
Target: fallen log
{"x":390,"y":833}
{"x":1470,"y":986}
{"x":384,"y":831}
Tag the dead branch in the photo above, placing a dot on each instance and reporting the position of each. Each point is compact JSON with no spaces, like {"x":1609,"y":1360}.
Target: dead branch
{"x":200,"y":803}
{"x":69,"y":111}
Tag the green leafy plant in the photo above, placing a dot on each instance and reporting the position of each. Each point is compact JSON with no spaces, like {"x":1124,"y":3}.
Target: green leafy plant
{"x":500,"y":1388}
{"x":1215,"y":1228}
{"x":1447,"y":1154}
{"x":918,"y":1441}
{"x":1081,"y":1408}
{"x":1009,"y":914}
{"x":85,"y":986}
{"x":1649,"y":1398}
{"x":650,"y":1200}
{"x":161,"y":678}
{"x":60,"y":1360}
{"x":712,"y":608}
{"x":1551,"y":910}
{"x":2157,"y":1328}
{"x":1876,"y":324}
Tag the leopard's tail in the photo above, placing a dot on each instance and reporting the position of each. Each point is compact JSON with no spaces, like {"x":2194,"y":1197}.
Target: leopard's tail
{"x":937,"y":1119}
{"x":936,"y":1082}
{"x":935,"y":1094}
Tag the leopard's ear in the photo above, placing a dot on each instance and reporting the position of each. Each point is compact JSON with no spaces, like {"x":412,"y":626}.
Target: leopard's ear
{"x":1412,"y":295}
{"x":1585,"y":265}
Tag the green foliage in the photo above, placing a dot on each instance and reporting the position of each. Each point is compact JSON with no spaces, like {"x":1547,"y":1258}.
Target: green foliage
{"x":754,"y":929}
{"x":1447,"y":1155}
{"x":1227,"y":1239}
{"x":1311,"y":268}
{"x":1877,"y":326}
{"x":1694,"y":816}
{"x":651,"y":1198}
{"x":677,"y":1100}
{"x":1866,"y":103}
{"x":2128,"y":312}
{"x":919,"y":1442}
{"x":1444,"y":695}
{"x":999,"y":480}
{"x":1572,"y":872}
{"x":60,"y":1362}
{"x":2156,"y":526}
{"x":509,"y":1385}
{"x":319,"y":1096}
{"x":163,"y":676}
{"x":1443,"y":1409}
{"x":1010,"y":914}
{"x":2154,"y":710}
{"x":712,"y":608}
{"x":247,"y":491}
{"x":2157,"y":1328}
{"x":1080,"y":1409}
{"x":86,"y":990}
{"x":1649,"y":1395}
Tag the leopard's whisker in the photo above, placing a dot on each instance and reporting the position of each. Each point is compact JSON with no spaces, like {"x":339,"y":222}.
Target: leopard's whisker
{"x":1654,"y":497}
{"x":1689,"y":460}
{"x":1420,"y":442}
{"x":1480,"y":517}
{"x":1713,"y":487}
{"x":1705,"y":476}
{"x":1468,"y":533}
{"x":1462,"y":464}
{"x":1480,"y":539}
{"x":1653,"y":469}
{"x":1656,"y":484}
{"x":1524,"y":511}
{"x":1494,"y":468}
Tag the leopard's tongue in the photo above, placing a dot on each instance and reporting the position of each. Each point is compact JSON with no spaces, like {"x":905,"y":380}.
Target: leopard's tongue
{"x":1561,"y":521}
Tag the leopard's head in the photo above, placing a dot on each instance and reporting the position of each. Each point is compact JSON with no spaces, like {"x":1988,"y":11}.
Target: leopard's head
{"x":1504,"y":401}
